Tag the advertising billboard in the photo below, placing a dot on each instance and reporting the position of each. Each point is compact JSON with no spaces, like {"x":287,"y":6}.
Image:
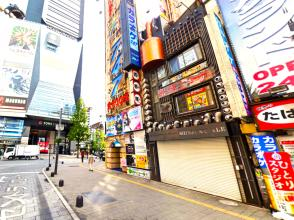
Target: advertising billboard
{"x":275,"y":115}
{"x":114,"y":125}
{"x":129,"y":35}
{"x":132,"y":119}
{"x":18,"y":47}
{"x":261,"y":33}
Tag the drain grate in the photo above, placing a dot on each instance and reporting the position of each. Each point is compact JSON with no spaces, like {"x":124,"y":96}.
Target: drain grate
{"x":74,"y":166}
{"x":98,"y":197}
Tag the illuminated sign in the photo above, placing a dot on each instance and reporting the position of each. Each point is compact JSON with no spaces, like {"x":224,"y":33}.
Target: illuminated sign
{"x":275,"y":115}
{"x":261,"y":144}
{"x":261,"y":35}
{"x":129,"y":35}
{"x":186,"y":83}
{"x":233,"y":64}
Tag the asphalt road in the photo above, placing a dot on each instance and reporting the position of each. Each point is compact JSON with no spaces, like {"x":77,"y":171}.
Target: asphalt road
{"x":15,"y":166}
{"x":25,"y":194}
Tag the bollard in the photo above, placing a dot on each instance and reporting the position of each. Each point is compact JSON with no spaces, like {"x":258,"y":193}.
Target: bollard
{"x":61,"y":183}
{"x":52,"y":174}
{"x":49,"y":164}
{"x":47,"y":168}
{"x":79,"y":201}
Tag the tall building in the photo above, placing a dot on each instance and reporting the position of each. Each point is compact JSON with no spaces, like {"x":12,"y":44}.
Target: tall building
{"x":51,"y":37}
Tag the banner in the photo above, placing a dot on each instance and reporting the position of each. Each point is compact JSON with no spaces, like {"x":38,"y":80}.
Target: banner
{"x":280,"y":168}
{"x":261,"y":34}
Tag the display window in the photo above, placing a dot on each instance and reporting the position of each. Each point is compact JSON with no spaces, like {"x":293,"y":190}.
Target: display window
{"x":196,"y":100}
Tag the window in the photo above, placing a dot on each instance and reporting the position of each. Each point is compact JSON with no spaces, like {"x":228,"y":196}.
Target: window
{"x":9,"y":150}
{"x":188,"y":57}
{"x":196,"y":100}
{"x":161,"y":72}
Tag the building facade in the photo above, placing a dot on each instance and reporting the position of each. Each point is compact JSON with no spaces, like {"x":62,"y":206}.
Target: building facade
{"x":265,"y":59}
{"x":49,"y":78}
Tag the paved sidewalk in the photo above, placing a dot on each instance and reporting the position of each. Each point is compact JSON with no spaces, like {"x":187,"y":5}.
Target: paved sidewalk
{"x":27,"y":196}
{"x":111,"y":195}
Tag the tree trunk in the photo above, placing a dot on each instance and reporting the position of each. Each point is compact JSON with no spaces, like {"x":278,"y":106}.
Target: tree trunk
{"x":78,"y":149}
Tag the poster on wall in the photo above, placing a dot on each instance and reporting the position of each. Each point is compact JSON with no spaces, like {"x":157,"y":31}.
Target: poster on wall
{"x":142,"y":162}
{"x":261,"y":33}
{"x":113,"y":125}
{"x":275,"y":115}
{"x":140,"y":143}
{"x":132,"y":119}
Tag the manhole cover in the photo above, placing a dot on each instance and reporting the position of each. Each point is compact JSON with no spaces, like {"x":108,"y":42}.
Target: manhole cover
{"x":74,"y":166}
{"x":228,"y":202}
{"x":98,"y":197}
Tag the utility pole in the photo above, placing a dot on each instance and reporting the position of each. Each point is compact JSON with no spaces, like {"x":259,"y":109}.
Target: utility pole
{"x":58,"y":141}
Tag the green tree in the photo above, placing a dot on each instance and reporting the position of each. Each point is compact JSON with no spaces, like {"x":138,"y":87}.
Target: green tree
{"x":101,"y":140}
{"x":95,"y":141}
{"x":79,"y":130}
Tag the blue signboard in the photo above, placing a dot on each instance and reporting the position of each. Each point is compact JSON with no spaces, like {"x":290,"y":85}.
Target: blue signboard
{"x":129,"y":35}
{"x":261,"y":144}
{"x":10,"y":128}
{"x":233,"y":64}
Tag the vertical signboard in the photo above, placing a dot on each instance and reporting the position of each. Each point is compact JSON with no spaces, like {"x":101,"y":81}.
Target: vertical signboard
{"x":18,"y":46}
{"x":129,"y":35}
{"x":262,"y":144}
{"x":261,"y":33}
{"x":280,"y":168}
{"x":233,"y":64}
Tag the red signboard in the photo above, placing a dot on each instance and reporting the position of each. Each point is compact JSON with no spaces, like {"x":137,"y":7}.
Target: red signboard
{"x":186,"y":83}
{"x":9,"y":102}
{"x":280,"y":168}
{"x":275,"y":115}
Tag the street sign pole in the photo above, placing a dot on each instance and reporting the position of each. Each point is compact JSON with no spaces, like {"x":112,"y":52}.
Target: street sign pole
{"x":58,"y":141}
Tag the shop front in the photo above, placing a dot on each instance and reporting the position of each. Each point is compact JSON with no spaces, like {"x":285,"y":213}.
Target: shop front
{"x":207,"y":158}
{"x":273,"y":147}
{"x":42,"y":132}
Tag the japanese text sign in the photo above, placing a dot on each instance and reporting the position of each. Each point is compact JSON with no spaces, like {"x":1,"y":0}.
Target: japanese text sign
{"x":262,"y":144}
{"x":275,"y":115}
{"x":130,"y":37}
{"x":260,"y":34}
{"x":280,"y":168}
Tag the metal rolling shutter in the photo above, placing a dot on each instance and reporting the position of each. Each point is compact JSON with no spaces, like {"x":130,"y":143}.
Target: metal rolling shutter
{"x":200,"y":164}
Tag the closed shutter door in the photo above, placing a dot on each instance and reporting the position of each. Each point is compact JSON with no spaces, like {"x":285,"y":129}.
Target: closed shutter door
{"x":200,"y":164}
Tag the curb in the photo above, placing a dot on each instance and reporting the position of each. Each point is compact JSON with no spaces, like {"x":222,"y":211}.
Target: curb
{"x":65,"y":203}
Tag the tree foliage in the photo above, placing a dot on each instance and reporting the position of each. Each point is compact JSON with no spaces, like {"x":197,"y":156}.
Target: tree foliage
{"x":79,"y":130}
{"x":101,"y":140}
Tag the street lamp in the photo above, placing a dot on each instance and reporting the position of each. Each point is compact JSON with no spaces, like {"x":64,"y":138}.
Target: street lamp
{"x":58,"y":128}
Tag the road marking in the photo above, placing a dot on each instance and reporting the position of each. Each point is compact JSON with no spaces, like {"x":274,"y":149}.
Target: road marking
{"x":19,"y":173}
{"x":176,"y":195}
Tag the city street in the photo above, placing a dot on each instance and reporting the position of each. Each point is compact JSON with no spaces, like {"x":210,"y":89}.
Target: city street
{"x":112,"y":195}
{"x":25,"y":193}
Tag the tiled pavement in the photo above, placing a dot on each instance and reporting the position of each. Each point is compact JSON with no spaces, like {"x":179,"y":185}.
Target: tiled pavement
{"x":28,"y":196}
{"x":111,"y":195}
